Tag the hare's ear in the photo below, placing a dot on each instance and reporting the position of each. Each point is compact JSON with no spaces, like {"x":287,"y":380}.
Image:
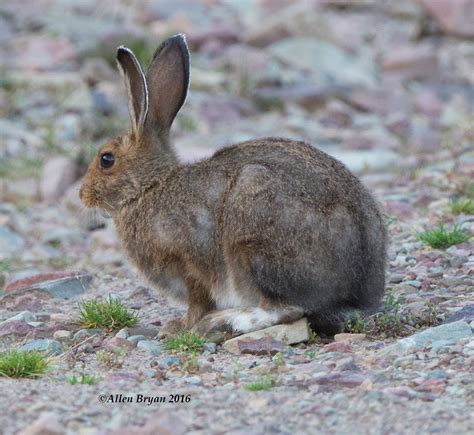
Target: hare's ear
{"x":137,"y":90}
{"x":168,"y":82}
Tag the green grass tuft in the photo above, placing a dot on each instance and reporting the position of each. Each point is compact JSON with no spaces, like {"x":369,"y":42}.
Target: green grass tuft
{"x":110,"y":315}
{"x":441,"y":238}
{"x":462,"y":206}
{"x":23,"y":364}
{"x":84,"y":379}
{"x":185,"y":342}
{"x":263,"y":384}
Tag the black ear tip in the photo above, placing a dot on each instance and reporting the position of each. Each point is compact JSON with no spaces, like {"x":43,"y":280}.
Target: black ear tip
{"x":180,"y":40}
{"x":123,"y":51}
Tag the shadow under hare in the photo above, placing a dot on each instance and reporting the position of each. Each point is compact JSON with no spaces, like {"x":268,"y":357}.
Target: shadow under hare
{"x":263,"y":232}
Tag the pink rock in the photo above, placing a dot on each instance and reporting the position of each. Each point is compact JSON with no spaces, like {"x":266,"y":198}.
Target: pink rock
{"x":261,"y":346}
{"x":25,"y":303}
{"x":402,"y":210}
{"x":17,"y":328}
{"x":40,"y":52}
{"x":46,"y":424}
{"x":412,"y":62}
{"x":117,"y":343}
{"x":343,"y":379}
{"x":431,"y":385}
{"x":57,"y":175}
{"x":222,"y":33}
{"x":338,"y":346}
{"x":429,"y":104}
{"x":455,"y":17}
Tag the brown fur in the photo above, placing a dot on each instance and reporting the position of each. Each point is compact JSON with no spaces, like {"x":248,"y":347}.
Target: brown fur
{"x":270,"y":222}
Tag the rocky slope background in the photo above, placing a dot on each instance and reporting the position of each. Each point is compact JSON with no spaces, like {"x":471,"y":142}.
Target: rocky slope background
{"x":387,"y":87}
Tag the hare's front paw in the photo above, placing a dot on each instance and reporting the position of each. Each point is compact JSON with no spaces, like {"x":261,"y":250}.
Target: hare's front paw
{"x":171,"y":327}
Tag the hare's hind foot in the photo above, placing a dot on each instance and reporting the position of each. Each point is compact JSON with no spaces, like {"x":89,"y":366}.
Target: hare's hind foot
{"x":243,"y":320}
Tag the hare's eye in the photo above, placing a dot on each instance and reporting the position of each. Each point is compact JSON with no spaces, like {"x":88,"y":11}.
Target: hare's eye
{"x":107,"y":160}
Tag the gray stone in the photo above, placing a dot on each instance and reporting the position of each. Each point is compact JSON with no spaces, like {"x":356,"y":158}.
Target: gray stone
{"x":83,"y":334}
{"x":57,"y":175}
{"x":61,"y":285}
{"x":46,"y":424}
{"x":11,"y":243}
{"x":62,"y":335}
{"x":290,"y":333}
{"x":136,"y":338}
{"x":414,"y":283}
{"x":123,"y":333}
{"x":52,"y":347}
{"x":447,"y":333}
{"x":26,"y":316}
{"x":153,"y":347}
{"x":210,"y":347}
{"x":458,"y":261}
{"x":169,"y":361}
{"x":328,"y":63}
{"x":148,"y":332}
{"x":361,"y":160}
{"x":466,"y":314}
{"x":193,"y":380}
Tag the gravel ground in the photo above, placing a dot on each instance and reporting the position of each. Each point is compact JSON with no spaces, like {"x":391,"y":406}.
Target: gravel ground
{"x":386,"y":87}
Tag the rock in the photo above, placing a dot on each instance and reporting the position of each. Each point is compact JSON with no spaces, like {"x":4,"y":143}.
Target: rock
{"x":360,"y":160}
{"x":414,"y":283}
{"x":162,"y":423}
{"x":455,"y":17}
{"x":24,"y":302}
{"x":153,"y":347}
{"x":116,"y":344}
{"x":466,"y":314}
{"x":60,"y":318}
{"x":95,"y":70}
{"x":84,"y":334}
{"x":135,"y":338}
{"x":290,"y":333}
{"x":123,"y":333}
{"x":431,"y":385}
{"x":329,"y":64}
{"x":26,"y":316}
{"x":51,"y":347}
{"x":46,"y":424}
{"x":300,"y":19}
{"x":57,"y":175}
{"x":412,"y":62}
{"x":446,"y":333}
{"x":62,"y":335}
{"x":396,"y":278}
{"x":11,"y":243}
{"x":169,"y":361}
{"x":338,"y":346}
{"x":17,"y":328}
{"x":210,"y":347}
{"x":346,"y":379}
{"x":260,"y":346}
{"x":349,"y":337}
{"x":41,"y":53}
{"x":458,"y":261}
{"x":147,"y":332}
{"x":61,"y":285}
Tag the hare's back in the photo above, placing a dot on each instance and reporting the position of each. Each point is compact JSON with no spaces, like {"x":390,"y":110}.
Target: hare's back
{"x":281,"y":167}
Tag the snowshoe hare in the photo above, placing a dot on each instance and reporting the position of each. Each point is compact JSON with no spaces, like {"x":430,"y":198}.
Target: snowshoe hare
{"x":263,"y":232}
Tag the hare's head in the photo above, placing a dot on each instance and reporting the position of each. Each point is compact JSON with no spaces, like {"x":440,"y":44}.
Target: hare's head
{"x":128,"y":164}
